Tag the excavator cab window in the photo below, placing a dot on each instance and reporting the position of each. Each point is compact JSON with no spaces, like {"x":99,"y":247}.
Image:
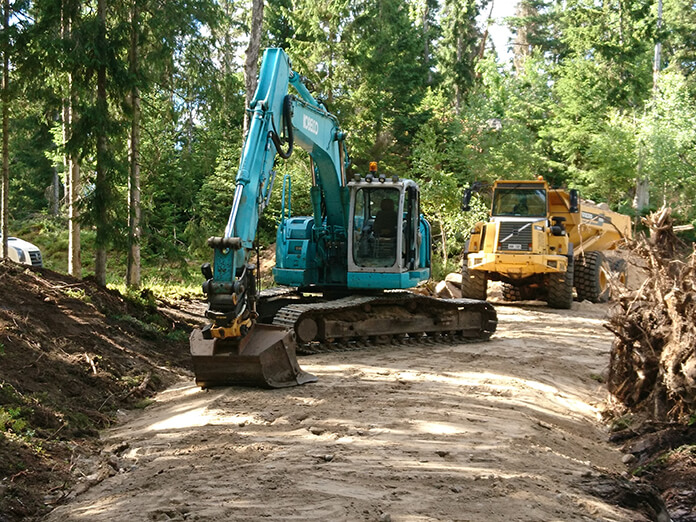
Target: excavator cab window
{"x":411,"y":222}
{"x":519,"y":202}
{"x":375,"y":226}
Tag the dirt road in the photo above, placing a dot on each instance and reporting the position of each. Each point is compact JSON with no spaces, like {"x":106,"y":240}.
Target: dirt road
{"x":504,"y":430}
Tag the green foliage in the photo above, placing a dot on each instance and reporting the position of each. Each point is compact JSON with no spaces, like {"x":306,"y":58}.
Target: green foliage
{"x":679,"y":31}
{"x":459,"y":47}
{"x":612,"y":160}
{"x":666,"y":136}
{"x":30,"y":138}
{"x":51,"y":236}
{"x":404,"y":79}
{"x":15,"y":413}
{"x":610,"y":47}
{"x":77,"y":293}
{"x":386,"y":79}
{"x":441,"y":193}
{"x":499,"y":134}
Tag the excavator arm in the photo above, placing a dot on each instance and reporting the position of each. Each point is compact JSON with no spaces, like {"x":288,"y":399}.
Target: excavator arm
{"x":230,"y":287}
{"x":230,"y":284}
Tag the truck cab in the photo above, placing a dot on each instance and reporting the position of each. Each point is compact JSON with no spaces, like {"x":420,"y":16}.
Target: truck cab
{"x":522,"y":237}
{"x":386,"y":243}
{"x":389,"y":238}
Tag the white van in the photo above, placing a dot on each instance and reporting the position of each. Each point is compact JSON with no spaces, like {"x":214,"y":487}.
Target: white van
{"x":23,"y":252}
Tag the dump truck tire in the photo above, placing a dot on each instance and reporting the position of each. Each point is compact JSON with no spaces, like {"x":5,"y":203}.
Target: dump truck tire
{"x":592,"y":273}
{"x":518,"y":293}
{"x":511,"y":292}
{"x":561,"y":289}
{"x":474,"y":284}
{"x":619,"y":269}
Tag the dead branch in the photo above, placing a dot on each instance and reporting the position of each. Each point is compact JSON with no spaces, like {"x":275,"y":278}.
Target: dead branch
{"x":653,"y":357}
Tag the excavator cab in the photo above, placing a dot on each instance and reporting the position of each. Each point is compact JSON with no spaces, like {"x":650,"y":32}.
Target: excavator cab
{"x":387,"y":234}
{"x":375,"y":224}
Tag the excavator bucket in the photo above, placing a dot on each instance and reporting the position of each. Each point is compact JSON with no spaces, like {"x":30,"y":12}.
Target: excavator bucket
{"x":265,"y":357}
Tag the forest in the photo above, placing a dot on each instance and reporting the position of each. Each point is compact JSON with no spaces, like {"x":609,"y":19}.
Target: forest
{"x":123,"y":121}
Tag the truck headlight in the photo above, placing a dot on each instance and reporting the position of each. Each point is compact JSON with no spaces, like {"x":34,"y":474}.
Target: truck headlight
{"x":20,"y":254}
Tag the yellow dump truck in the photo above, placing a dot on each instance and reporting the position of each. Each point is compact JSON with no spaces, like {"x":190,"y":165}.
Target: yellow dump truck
{"x":543,"y":243}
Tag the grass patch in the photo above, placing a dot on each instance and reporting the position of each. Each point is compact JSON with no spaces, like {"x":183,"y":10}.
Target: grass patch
{"x":77,"y":293}
{"x":173,"y":287}
{"x":143,"y":403}
{"x":177,"y":278}
{"x":621,"y":423}
{"x":177,"y":336}
{"x":147,"y":330}
{"x":15,"y":420}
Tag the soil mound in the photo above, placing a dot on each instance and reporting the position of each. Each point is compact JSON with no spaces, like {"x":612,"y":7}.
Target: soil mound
{"x":71,"y":354}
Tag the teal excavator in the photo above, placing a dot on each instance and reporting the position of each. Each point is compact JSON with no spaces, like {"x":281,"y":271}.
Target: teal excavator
{"x":342,"y":271}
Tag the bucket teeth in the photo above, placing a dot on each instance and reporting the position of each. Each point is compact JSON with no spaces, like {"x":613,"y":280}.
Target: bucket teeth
{"x":265,"y":357}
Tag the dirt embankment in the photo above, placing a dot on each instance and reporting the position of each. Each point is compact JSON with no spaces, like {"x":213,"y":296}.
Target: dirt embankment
{"x":504,"y":430}
{"x":71,"y":355}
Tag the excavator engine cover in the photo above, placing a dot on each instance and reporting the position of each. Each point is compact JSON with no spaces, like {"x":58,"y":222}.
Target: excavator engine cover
{"x":265,"y":357}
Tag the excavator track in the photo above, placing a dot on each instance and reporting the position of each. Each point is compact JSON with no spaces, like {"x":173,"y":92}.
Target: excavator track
{"x":443,"y":339}
{"x":355,"y":322}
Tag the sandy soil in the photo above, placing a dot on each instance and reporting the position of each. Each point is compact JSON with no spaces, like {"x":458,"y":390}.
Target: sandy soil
{"x":503,"y":430}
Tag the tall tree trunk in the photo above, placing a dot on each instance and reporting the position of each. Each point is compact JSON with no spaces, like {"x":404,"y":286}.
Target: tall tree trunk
{"x":228,"y":50}
{"x":101,"y":187}
{"x":521,"y":47}
{"x":426,"y":41}
{"x":133,"y":271}
{"x":641,"y":201}
{"x":443,"y":239}
{"x":657,"y":60}
{"x":71,"y":159}
{"x":55,"y":193}
{"x":484,"y":38}
{"x":457,"y":84}
{"x":4,"y":252}
{"x":74,"y":241}
{"x":251,"y":64}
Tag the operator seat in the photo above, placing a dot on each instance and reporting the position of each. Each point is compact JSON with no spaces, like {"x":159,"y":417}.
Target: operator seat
{"x":386,"y":219}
